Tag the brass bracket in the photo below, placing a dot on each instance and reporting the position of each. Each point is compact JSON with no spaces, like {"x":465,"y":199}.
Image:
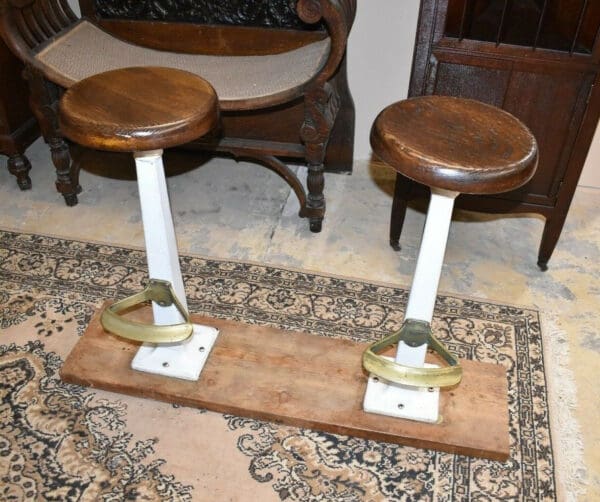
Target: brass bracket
{"x":158,"y":291}
{"x":413,"y":333}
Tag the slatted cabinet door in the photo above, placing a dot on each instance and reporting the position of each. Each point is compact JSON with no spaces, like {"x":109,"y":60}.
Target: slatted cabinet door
{"x":537,"y":59}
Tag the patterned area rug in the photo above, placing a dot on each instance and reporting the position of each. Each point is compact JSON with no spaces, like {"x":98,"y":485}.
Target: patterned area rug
{"x":63,"y":442}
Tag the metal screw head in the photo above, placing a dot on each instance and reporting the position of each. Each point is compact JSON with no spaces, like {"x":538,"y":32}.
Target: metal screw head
{"x":400,"y":406}
{"x":376,"y":379}
{"x":165,"y":364}
{"x":201,"y":349}
{"x":430,"y":389}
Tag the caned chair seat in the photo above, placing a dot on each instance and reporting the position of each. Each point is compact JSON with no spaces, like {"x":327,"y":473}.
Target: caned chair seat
{"x":455,"y":144}
{"x":241,"y":82}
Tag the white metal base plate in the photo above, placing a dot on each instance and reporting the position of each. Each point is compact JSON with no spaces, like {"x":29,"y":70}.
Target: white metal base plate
{"x":402,"y":401}
{"x":179,"y":360}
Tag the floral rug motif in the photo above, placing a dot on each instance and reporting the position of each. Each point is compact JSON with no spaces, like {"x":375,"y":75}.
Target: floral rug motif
{"x":58,"y":443}
{"x":63,"y":442}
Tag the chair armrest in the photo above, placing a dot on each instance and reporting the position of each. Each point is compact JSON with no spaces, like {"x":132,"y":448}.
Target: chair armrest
{"x":338,"y":16}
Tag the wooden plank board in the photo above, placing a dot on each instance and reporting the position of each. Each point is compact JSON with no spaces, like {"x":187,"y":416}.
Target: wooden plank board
{"x":301,"y":380}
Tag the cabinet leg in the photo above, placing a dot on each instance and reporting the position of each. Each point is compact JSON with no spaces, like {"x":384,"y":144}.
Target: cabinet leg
{"x":20,"y":166}
{"x":399,"y":204}
{"x":550,"y":236}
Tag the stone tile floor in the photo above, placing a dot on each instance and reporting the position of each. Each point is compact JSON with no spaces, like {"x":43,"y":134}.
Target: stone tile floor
{"x":243,"y":211}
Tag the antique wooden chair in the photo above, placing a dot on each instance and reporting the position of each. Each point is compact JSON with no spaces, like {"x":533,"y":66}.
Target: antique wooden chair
{"x":59,"y":50}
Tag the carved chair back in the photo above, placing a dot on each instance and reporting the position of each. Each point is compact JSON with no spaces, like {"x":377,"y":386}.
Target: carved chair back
{"x":254,"y":13}
{"x":28,"y":25}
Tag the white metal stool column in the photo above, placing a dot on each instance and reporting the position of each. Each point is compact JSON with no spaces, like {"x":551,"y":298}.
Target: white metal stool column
{"x":182,"y":359}
{"x":403,"y":401}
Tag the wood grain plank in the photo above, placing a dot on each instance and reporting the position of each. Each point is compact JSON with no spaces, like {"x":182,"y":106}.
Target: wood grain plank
{"x":301,"y":380}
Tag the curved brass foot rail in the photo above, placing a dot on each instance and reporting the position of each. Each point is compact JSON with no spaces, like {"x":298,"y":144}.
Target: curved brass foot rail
{"x":160,"y":292}
{"x":413,"y":333}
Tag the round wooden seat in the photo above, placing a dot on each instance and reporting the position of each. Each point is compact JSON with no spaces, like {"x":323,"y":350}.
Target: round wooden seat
{"x":138,"y":109}
{"x":455,"y":144}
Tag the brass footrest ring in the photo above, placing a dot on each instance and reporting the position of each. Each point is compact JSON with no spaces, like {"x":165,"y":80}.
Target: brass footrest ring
{"x":158,"y":291}
{"x":414,"y":333}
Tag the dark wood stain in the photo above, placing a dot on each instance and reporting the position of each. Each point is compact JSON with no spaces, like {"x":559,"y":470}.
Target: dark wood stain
{"x":138,"y":109}
{"x":193,"y":38}
{"x":455,"y":144}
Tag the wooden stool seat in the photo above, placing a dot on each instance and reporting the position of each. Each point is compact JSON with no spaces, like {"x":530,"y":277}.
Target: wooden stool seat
{"x":138,"y":109}
{"x":455,"y":144}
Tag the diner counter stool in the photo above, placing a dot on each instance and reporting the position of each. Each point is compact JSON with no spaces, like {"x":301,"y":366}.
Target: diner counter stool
{"x":144,"y":110}
{"x":452,"y":145}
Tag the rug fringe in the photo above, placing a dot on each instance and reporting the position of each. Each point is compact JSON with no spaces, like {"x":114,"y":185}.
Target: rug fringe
{"x":570,"y":469}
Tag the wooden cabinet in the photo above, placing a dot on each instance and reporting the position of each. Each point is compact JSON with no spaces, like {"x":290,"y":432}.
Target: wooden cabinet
{"x":18,"y":127}
{"x":537,"y":59}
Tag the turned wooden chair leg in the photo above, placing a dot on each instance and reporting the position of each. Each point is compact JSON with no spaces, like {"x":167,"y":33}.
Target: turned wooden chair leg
{"x":321,"y":107}
{"x":19,"y":166}
{"x":315,"y":201}
{"x":315,"y":180}
{"x":315,"y":184}
{"x":43,"y":98}
{"x":67,"y":170}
